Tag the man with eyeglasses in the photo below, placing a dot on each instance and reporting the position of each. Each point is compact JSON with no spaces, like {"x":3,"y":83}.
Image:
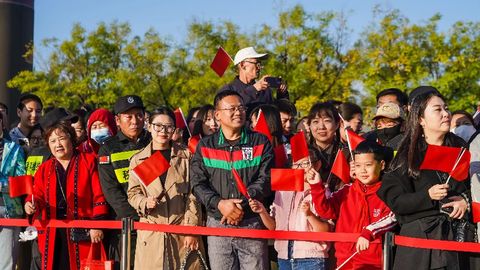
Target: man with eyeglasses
{"x":114,"y":160}
{"x":253,"y":92}
{"x":211,"y":176}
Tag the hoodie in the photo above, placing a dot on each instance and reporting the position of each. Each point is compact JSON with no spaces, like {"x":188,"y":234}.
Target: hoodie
{"x":104,"y":116}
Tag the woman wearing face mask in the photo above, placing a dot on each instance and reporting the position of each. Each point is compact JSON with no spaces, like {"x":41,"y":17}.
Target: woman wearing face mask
{"x":388,"y":123}
{"x":462,"y":125}
{"x":100,"y":126}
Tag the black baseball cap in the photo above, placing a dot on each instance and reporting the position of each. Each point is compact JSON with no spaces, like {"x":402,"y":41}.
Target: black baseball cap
{"x":420,"y":91}
{"x":56,"y":115}
{"x":126,"y":103}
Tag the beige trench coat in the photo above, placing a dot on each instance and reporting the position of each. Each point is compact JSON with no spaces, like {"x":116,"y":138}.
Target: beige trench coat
{"x":177,"y":206}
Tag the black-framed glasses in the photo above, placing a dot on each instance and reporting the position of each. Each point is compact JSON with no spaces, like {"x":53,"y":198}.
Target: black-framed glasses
{"x":302,"y":165}
{"x":161,"y":127}
{"x":257,"y":64}
{"x":232,"y":110}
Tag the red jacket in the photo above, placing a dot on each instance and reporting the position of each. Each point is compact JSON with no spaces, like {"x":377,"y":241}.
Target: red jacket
{"x":356,"y":209}
{"x":87,"y":192}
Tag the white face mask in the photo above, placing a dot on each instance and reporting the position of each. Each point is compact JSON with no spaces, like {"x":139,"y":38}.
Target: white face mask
{"x":464,"y":132}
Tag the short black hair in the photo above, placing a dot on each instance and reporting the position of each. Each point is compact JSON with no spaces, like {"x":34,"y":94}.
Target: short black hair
{"x":4,"y":106}
{"x":371,"y":147}
{"x":27,"y":97}
{"x":223,"y":94}
{"x":466,"y":114}
{"x":348,"y":110}
{"x":162,"y":110}
{"x":286,"y":106}
{"x":401,"y":96}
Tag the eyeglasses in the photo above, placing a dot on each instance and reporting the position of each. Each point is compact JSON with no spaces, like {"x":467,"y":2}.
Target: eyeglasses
{"x":258,"y":64}
{"x":302,"y":165}
{"x":232,"y":110}
{"x":160,"y":127}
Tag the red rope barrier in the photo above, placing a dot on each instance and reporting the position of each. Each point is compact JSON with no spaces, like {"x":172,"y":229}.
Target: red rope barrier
{"x":436,"y":244}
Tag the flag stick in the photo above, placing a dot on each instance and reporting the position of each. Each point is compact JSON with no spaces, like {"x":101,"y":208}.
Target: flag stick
{"x":347,"y":260}
{"x":33,"y":201}
{"x":456,"y":163}
{"x":185,"y":121}
{"x":346,"y":135}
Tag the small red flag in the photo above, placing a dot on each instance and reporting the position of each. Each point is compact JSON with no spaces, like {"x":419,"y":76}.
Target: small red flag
{"x":151,"y":168}
{"x":193,"y":142}
{"x":354,"y":139}
{"x":262,"y":126}
{"x":220,"y":62}
{"x":280,"y":156}
{"x":476,"y":212}
{"x":340,"y":167}
{"x":299,"y":146}
{"x":444,"y":158}
{"x":180,"y":119}
{"x":287,"y":179}
{"x":20,"y":185}
{"x":240,"y":185}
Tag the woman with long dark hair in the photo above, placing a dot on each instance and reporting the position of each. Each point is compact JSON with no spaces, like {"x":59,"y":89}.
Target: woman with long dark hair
{"x":425,"y":206}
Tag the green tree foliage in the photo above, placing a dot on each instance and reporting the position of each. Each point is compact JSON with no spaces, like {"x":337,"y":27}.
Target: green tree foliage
{"x":312,"y":52}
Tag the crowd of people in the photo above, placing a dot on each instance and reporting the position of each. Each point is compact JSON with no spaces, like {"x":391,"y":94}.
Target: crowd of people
{"x":84,"y":165}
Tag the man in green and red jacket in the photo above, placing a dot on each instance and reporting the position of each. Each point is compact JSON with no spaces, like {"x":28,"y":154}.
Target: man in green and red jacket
{"x":213,"y":183}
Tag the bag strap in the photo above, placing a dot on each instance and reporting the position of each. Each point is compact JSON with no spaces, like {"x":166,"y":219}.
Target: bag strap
{"x":199,"y":254}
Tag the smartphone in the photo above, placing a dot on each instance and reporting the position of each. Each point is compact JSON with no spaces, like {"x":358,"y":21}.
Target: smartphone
{"x":274,"y":82}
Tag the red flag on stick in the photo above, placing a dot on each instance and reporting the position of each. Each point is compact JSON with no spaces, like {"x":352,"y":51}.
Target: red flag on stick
{"x":476,"y":212}
{"x":180,"y":121}
{"x":287,"y":179}
{"x":151,"y":168}
{"x":193,"y":142}
{"x":299,"y":146}
{"x":353,"y":139}
{"x":452,"y":160}
{"x":280,"y":156}
{"x":221,"y":62}
{"x":340,"y":167}
{"x":240,"y":185}
{"x":262,"y":125}
{"x":20,"y":185}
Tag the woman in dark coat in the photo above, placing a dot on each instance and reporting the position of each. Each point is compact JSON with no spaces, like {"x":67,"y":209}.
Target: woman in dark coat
{"x":417,"y":196}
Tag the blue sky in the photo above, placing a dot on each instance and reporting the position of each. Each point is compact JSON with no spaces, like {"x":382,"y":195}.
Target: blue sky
{"x":54,"y":18}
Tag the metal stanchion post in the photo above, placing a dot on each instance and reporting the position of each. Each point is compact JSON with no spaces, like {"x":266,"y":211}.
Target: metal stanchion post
{"x":388,"y":250}
{"x":126,"y":241}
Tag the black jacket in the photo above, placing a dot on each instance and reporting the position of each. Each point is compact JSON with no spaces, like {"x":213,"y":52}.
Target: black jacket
{"x":251,"y":97}
{"x":211,"y":175}
{"x":114,"y":159}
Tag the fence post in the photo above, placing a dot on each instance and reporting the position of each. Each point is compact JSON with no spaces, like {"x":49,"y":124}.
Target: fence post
{"x":127,"y":226}
{"x":388,"y":250}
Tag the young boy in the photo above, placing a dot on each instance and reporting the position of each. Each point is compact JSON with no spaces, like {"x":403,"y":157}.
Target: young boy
{"x":291,"y":211}
{"x":357,"y":208}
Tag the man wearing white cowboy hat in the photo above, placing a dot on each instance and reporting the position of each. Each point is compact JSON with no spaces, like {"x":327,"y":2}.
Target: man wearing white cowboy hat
{"x":253,"y":92}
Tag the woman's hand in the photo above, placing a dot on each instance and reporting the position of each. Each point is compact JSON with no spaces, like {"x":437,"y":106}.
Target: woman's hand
{"x":362,"y":244}
{"x":459,"y":206}
{"x":96,"y":236}
{"x":256,"y":206}
{"x":30,"y":209}
{"x":438,"y":191}
{"x":313,"y":177}
{"x":190,"y":242}
{"x":151,"y":203}
{"x":305,"y":208}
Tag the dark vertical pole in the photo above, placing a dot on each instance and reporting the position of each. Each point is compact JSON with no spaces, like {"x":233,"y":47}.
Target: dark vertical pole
{"x":388,"y":246}
{"x":127,"y":226}
{"x":16,"y":32}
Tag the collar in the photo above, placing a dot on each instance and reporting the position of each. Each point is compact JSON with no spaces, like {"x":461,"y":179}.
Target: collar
{"x":237,"y":80}
{"x":223,"y":142}
{"x":122,"y":137}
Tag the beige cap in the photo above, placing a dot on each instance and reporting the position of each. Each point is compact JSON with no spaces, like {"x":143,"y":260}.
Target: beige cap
{"x":389,"y":110}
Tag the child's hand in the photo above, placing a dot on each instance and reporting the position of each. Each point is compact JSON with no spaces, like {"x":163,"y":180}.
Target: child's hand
{"x":313,"y":177}
{"x":362,"y":244}
{"x":257,"y":207}
{"x":305,"y":208}
{"x":352,"y":169}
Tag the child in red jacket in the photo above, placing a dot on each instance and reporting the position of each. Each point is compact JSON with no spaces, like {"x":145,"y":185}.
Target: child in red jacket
{"x":357,"y":208}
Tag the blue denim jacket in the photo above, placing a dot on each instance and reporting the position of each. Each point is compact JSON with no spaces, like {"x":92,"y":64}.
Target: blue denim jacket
{"x":13,"y":164}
